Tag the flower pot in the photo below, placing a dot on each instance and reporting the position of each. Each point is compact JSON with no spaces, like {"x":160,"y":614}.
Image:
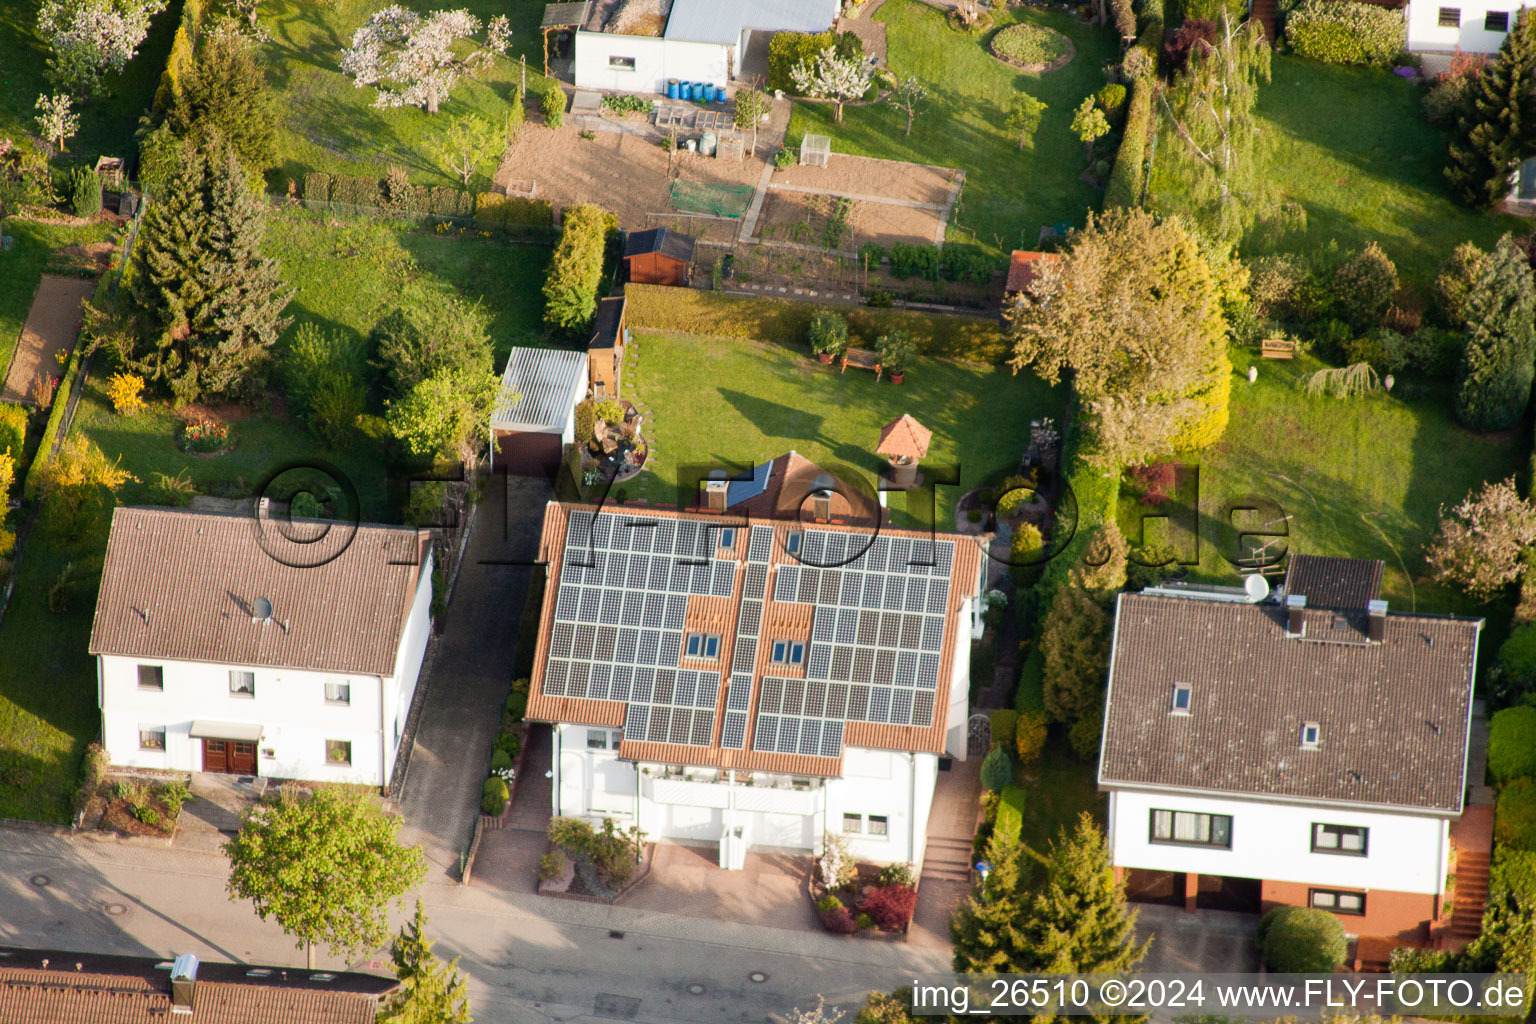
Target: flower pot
{"x":825,"y":358}
{"x":897,"y":376}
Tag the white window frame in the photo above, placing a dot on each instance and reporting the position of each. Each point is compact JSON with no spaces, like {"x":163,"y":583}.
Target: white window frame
{"x":150,"y":730}
{"x":1311,"y":735}
{"x":853,"y":824}
{"x":878,"y":825}
{"x":727,"y":537}
{"x":1324,"y":834}
{"x":1332,"y":900}
{"x":1178,"y":707}
{"x":792,"y":542}
{"x":247,"y":676}
{"x":345,"y":699}
{"x":617,"y":62}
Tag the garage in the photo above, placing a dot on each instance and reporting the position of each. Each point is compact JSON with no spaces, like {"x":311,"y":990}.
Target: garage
{"x":535,"y":413}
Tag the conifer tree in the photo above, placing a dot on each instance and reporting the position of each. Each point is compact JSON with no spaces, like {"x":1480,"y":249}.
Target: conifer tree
{"x":985,"y":928}
{"x":431,"y":992}
{"x":1076,"y":920}
{"x":1075,"y":644}
{"x":1498,"y":129}
{"x":1494,"y":382}
{"x":213,"y":302}
{"x":227,"y":90}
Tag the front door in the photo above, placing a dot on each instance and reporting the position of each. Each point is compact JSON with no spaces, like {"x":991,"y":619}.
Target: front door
{"x":229,"y":757}
{"x":215,"y":755}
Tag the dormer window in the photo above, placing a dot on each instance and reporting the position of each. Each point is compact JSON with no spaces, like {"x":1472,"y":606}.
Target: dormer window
{"x":1311,"y":734}
{"x":1181,"y":699}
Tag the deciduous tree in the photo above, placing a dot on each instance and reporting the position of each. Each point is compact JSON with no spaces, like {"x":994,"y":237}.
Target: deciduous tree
{"x":1134,"y":311}
{"x":830,"y":76}
{"x":1089,"y":123}
{"x":212,"y":299}
{"x":56,"y":120}
{"x":431,"y":992}
{"x":325,"y":866}
{"x":416,"y":61}
{"x":907,"y":91}
{"x":464,"y":143}
{"x":446,"y":415}
{"x":1024,"y":117}
{"x":1481,"y":540}
{"x":1497,"y":129}
{"x":1493,"y":384}
{"x":93,"y":38}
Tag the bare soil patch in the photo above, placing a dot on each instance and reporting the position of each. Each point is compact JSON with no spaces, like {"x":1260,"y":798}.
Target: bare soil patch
{"x":51,"y":327}
{"x":801,"y":218}
{"x":866,"y":176}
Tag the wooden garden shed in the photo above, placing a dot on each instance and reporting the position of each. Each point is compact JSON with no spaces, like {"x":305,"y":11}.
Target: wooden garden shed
{"x":605,"y":351}
{"x":658,"y":256}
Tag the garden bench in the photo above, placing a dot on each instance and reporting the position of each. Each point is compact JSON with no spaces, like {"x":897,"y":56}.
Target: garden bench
{"x":863,"y":359}
{"x":1277,"y":348}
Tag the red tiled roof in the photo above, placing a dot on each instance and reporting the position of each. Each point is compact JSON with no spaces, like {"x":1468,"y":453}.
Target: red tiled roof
{"x":1024,"y":267}
{"x":904,"y":437}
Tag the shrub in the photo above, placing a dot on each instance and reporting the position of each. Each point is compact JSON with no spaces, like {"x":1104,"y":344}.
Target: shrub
{"x":576,"y":270}
{"x":551,"y":866}
{"x":61,"y":595}
{"x":864,"y":922}
{"x":896,"y":874}
{"x":1517,"y":657}
{"x":84,"y":192}
{"x":494,"y":796}
{"x":828,"y":333}
{"x":997,"y":769}
{"x":786,"y":50}
{"x":967,"y":263}
{"x":1454,"y":283}
{"x":829,"y":903}
{"x":1511,"y":744}
{"x":1111,"y":97}
{"x":325,"y":373}
{"x":1010,"y":812}
{"x":1364,"y":285}
{"x":785,"y":157}
{"x":13,"y":428}
{"x":1301,"y":940}
{"x":908,"y":260}
{"x":890,"y":906}
{"x":1450,"y":93}
{"x":148,"y":815}
{"x":517,"y":704}
{"x":1515,"y":817}
{"x":1005,"y":725}
{"x":871,"y":253}
{"x":627,"y":103}
{"x":317,"y":187}
{"x":1434,"y":351}
{"x":552,"y":102}
{"x":895,"y":351}
{"x":1030,"y":738}
{"x":175,"y":491}
{"x":1030,"y":44}
{"x":572,"y":834}
{"x":839,"y":922}
{"x":510,"y":743}
{"x":1345,"y":32}
{"x":500,"y":761}
{"x":513,"y":211}
{"x":1128,"y":175}
{"x":1179,"y":43}
{"x":126,"y":392}
{"x":172,"y":795}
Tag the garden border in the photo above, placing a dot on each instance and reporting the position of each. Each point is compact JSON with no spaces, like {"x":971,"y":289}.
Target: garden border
{"x":1038,"y":69}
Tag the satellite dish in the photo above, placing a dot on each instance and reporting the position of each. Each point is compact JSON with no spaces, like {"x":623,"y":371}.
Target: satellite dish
{"x":262,"y":610}
{"x":1256,"y":587}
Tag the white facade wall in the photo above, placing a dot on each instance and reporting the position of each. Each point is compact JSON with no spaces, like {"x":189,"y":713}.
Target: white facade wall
{"x":595,"y":784}
{"x":289,"y":705}
{"x":655,"y":61}
{"x":956,"y":725}
{"x":1272,"y":841}
{"x":1425,"y":33}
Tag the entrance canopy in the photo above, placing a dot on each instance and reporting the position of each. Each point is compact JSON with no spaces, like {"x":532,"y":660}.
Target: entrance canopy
{"x":226,"y":731}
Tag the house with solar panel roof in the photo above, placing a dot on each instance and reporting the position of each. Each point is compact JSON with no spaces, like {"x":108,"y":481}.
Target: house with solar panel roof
{"x":768,"y":668}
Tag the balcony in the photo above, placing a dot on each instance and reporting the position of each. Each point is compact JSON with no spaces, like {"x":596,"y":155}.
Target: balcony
{"x":708,"y":788}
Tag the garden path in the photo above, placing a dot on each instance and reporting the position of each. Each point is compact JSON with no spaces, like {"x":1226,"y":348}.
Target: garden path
{"x":51,"y":327}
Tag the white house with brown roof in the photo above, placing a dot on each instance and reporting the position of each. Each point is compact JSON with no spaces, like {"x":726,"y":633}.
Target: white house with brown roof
{"x":753,"y":681}
{"x":259,"y":646}
{"x":1309,"y":748}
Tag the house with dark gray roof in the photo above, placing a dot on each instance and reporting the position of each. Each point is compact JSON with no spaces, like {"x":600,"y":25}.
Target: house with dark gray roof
{"x":1308,"y":747}
{"x":259,"y":644}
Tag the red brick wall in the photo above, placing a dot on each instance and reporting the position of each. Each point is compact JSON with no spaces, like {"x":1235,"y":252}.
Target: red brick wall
{"x":1403,"y":916}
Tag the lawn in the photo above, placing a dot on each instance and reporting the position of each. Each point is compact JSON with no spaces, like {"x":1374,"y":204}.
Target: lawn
{"x":1056,"y":789}
{"x":326,"y":123}
{"x":1350,"y":147}
{"x":1009,"y":195}
{"x":107,"y":120}
{"x":23,"y":269}
{"x":735,"y":403}
{"x":1362,"y":477}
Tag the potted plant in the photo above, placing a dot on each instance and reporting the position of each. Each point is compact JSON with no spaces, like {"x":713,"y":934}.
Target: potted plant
{"x":896,"y":351}
{"x":828,"y":336}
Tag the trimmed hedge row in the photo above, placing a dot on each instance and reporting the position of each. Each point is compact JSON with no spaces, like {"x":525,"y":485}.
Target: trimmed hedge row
{"x":1129,"y":173}
{"x":657,"y":307}
{"x":438,"y":201}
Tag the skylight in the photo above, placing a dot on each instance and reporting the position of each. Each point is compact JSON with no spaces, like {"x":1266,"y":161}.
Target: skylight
{"x":1181,"y":698}
{"x":1311,"y":733}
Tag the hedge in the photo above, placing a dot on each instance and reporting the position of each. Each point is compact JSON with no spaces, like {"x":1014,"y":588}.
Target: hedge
{"x":1005,"y":724}
{"x":788,"y":49}
{"x":1345,"y":32}
{"x":1129,"y":174}
{"x":1301,"y":940}
{"x":1010,"y":812}
{"x":1511,"y":744}
{"x":1515,"y":818}
{"x":510,"y":210}
{"x":441,"y":201}
{"x":180,"y":60}
{"x":754,"y":318}
{"x":33,"y":481}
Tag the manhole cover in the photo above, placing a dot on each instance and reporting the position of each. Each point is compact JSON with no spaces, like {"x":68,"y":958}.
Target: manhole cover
{"x":41,"y":880}
{"x":757,"y":976}
{"x":115,"y":909}
{"x":695,"y":989}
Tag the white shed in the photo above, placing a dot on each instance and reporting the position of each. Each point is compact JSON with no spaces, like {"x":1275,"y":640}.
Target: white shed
{"x":535,"y":414}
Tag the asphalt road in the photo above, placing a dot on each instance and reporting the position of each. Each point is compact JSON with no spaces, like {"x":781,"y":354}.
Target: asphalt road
{"x":528,"y":958}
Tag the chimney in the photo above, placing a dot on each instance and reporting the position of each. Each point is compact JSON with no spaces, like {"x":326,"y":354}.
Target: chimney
{"x":1376,"y":626}
{"x":715,"y":490}
{"x":1295,"y":614}
{"x":821,"y":498}
{"x":184,"y":983}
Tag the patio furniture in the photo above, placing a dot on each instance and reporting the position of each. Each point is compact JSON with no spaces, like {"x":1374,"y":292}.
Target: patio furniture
{"x":1277,"y":348}
{"x":863,"y":359}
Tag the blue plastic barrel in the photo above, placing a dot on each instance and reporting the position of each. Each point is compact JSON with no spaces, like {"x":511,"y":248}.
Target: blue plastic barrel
{"x":687,"y":90}
{"x":698,"y":92}
{"x":672,"y":89}
{"x":709,"y":92}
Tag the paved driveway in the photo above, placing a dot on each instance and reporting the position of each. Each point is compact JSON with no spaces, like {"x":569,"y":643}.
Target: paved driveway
{"x":472,"y":674}
{"x":1205,"y":942}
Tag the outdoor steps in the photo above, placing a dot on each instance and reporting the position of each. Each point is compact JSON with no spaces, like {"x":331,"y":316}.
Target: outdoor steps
{"x":947,"y":858}
{"x":1471,"y":894}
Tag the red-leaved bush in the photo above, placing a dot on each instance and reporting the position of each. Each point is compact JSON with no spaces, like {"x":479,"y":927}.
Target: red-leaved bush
{"x":1195,"y":35}
{"x":891,"y":906}
{"x":839,"y":921}
{"x":1156,"y":481}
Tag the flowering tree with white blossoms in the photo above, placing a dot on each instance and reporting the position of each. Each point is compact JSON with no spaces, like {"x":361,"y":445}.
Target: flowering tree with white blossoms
{"x":92,"y":38}
{"x":830,"y":77}
{"x":411,"y":58}
{"x":55,"y":120}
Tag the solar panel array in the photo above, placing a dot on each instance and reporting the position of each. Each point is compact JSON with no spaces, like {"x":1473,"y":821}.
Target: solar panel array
{"x":749,"y":623}
{"x":618,"y":625}
{"x":877,"y":636}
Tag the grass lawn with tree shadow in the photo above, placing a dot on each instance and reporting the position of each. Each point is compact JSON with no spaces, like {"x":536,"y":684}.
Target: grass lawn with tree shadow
{"x":1350,"y":146}
{"x":1009,"y":195}
{"x":326,"y":123}
{"x":738,"y":403}
{"x":1362,"y":477}
{"x":107,"y":119}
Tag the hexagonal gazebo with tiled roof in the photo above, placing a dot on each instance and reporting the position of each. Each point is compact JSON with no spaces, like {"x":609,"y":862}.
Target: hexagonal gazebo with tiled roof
{"x":903,"y":442}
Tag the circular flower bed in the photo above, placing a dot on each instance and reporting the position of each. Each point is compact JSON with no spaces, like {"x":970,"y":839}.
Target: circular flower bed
{"x":204,"y":436}
{"x":1032,"y":47}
